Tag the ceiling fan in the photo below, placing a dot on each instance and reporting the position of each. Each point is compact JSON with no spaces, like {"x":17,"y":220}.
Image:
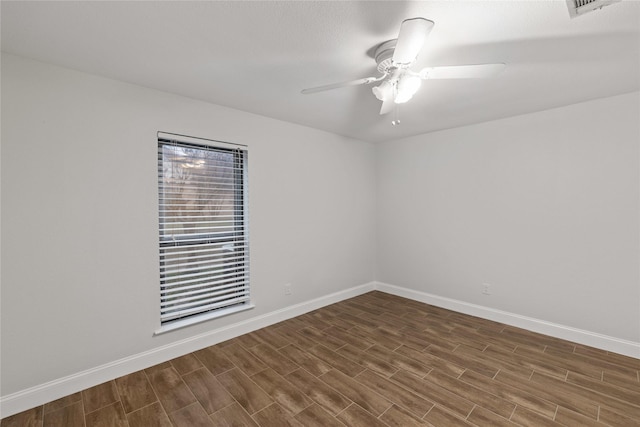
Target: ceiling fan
{"x":394,"y":57}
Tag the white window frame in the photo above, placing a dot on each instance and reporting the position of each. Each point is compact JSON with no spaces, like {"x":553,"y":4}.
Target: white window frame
{"x":238,"y":241}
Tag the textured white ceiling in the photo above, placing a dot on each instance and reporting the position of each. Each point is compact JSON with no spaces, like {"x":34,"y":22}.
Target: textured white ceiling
{"x":258,"y":56}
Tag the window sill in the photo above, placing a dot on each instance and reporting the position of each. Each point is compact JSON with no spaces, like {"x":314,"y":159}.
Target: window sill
{"x":179,"y":324}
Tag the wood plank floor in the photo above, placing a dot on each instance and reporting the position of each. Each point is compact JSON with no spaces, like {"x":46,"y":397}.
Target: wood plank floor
{"x":373,"y":360}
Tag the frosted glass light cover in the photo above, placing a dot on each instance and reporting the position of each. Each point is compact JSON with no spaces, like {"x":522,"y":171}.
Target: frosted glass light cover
{"x":407,"y":87}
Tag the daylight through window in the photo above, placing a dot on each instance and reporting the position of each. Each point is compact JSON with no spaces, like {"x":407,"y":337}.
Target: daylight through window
{"x":204,"y":253}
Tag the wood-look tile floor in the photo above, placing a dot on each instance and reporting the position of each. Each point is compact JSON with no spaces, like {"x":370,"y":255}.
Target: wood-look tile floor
{"x":373,"y":360}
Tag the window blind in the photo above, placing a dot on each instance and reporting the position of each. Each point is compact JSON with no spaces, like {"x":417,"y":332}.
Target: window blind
{"x":204,"y":244}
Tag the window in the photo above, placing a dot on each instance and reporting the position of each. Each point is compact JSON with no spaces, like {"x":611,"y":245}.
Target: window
{"x":204,"y":245}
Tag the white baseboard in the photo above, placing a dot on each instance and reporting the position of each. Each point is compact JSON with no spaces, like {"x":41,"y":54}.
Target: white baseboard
{"x":43,"y":393}
{"x":592,"y":339}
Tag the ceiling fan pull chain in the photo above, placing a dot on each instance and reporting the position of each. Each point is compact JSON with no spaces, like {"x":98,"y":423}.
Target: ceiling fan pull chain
{"x":396,"y":116}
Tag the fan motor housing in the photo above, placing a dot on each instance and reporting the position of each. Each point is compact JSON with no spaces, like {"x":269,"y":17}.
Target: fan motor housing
{"x":384,"y":54}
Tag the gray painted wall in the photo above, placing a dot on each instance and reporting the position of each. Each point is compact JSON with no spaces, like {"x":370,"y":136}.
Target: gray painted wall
{"x":543,"y":207}
{"x":80,"y":280}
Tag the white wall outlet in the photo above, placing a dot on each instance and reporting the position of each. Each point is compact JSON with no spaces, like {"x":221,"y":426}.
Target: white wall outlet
{"x":287,"y":289}
{"x":486,"y":289}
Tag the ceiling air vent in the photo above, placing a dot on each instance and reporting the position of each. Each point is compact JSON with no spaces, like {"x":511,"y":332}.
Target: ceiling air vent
{"x":580,"y":7}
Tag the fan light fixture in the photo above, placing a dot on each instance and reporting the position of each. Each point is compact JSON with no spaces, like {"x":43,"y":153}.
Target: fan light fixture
{"x":384,"y":91}
{"x":400,"y":91}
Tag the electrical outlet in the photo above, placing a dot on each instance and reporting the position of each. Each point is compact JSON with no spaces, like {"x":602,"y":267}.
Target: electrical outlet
{"x":486,"y":289}
{"x":287,"y":289}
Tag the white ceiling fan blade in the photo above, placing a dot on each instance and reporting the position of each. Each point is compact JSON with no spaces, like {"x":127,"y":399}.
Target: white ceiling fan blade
{"x":363,"y":81}
{"x":387,"y":106}
{"x":480,"y":71}
{"x":413,"y":33}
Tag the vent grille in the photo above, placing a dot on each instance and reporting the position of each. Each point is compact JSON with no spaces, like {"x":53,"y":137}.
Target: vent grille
{"x":580,"y":7}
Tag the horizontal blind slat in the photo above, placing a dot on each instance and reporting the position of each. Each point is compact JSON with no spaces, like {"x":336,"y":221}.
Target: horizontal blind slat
{"x":175,"y":315}
{"x":235,"y":281}
{"x":179,"y":261}
{"x":187,"y":280}
{"x":208,"y":301}
{"x":199,"y":230}
{"x":177,"y":294}
{"x":182,"y":268}
{"x":215,"y":249}
{"x":181,"y":275}
{"x":185,"y":239}
{"x":201,"y":297}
